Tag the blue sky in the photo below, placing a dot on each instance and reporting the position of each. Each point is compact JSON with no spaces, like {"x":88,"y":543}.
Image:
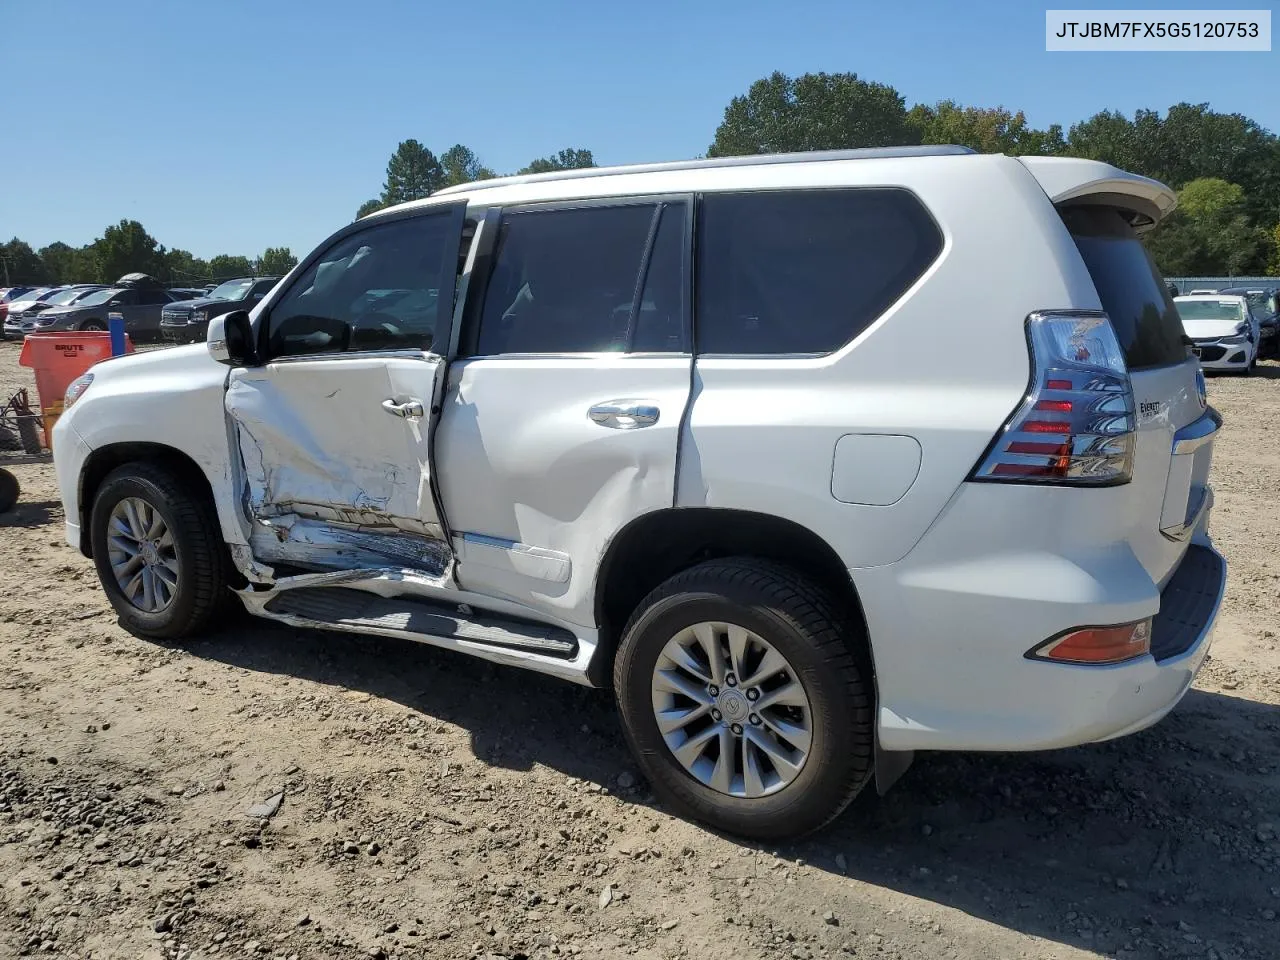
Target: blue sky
{"x":227,"y":126}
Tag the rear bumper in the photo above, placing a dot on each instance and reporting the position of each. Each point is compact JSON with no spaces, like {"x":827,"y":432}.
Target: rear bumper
{"x":949,"y":636}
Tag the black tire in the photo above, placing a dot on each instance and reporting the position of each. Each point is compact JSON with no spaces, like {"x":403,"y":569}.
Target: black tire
{"x":10,"y":490}
{"x":201,"y":555}
{"x":93,"y":325}
{"x":29,"y":434}
{"x":821,"y":641}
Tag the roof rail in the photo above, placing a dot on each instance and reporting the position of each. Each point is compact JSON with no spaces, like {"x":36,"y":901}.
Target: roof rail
{"x":757,"y":159}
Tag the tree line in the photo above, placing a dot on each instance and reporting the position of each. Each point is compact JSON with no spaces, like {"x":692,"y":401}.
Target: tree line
{"x":1225,"y":167}
{"x":126,"y":247}
{"x":414,"y":172}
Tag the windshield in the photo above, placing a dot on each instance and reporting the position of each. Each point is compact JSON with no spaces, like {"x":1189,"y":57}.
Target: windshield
{"x":1210,"y":309}
{"x":30,"y":295}
{"x":66,"y":296}
{"x":232,"y":290}
{"x":96,"y":298}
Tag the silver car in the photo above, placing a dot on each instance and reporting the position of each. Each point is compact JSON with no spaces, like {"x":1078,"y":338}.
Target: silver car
{"x":140,"y":306}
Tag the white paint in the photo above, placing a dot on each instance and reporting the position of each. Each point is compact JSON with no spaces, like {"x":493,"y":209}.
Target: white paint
{"x":957,"y":579}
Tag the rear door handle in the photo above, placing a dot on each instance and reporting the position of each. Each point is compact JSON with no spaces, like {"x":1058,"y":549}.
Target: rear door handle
{"x":410,"y":409}
{"x":625,"y":414}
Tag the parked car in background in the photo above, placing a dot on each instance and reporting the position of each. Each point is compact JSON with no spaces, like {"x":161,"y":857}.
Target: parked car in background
{"x":7,"y":296}
{"x":801,"y":539}
{"x":1224,"y":330}
{"x":140,"y":306}
{"x":187,"y":320}
{"x":186,"y":293}
{"x":1265,"y":304}
{"x":27,"y":305}
{"x":61,"y":298}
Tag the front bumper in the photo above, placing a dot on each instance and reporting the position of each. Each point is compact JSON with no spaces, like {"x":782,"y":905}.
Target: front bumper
{"x":1218,"y":356}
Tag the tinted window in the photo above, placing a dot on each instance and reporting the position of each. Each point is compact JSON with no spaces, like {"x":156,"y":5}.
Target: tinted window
{"x":565,"y":281}
{"x":336,"y":304}
{"x":1128,"y":285}
{"x":149,"y":297}
{"x":805,"y":271}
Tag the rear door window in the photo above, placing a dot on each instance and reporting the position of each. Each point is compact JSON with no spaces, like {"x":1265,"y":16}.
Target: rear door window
{"x":587,"y":279}
{"x":1129,"y":286}
{"x":805,"y":271}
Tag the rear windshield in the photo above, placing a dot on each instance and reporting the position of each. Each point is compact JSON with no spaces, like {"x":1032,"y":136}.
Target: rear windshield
{"x":1129,"y":286}
{"x":1210,"y":309}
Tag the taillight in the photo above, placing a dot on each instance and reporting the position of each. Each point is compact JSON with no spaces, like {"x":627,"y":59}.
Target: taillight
{"x":1076,"y":424}
{"x":1097,"y":645}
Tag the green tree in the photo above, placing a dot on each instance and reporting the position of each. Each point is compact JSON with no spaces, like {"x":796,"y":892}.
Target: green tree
{"x":227,"y":267}
{"x":413,"y":172}
{"x":276,"y":261}
{"x":461,"y":165}
{"x":369,"y":206}
{"x":816,"y":111}
{"x":63,"y":263}
{"x":1210,"y":233}
{"x":1273,"y":265}
{"x":184,"y":267}
{"x":127,"y":248}
{"x":19,"y":264}
{"x":985,"y":129}
{"x":570,"y":158}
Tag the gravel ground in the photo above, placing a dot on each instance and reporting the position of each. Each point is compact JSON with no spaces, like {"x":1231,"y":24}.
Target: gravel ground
{"x":430,"y":805}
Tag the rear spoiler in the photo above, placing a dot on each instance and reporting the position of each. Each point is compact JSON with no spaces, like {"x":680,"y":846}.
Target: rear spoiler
{"x":1072,"y":180}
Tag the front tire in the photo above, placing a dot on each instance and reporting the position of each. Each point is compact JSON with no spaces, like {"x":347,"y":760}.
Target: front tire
{"x":93,"y":325}
{"x":773,"y":754}
{"x":155,"y":544}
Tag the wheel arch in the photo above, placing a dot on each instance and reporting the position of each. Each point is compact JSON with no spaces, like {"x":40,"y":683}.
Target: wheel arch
{"x":102,"y":460}
{"x":658,"y":545}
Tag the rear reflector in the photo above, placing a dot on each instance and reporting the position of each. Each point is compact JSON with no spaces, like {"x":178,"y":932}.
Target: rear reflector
{"x":1095,"y":645}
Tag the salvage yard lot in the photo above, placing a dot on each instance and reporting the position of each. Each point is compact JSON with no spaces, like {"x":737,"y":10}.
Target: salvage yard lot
{"x":436,"y":806}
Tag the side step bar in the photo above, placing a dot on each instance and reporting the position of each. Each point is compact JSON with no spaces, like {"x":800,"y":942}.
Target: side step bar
{"x":355,"y":610}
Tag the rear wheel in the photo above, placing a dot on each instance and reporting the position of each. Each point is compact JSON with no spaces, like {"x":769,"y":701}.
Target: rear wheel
{"x":743,"y":700}
{"x":155,"y":544}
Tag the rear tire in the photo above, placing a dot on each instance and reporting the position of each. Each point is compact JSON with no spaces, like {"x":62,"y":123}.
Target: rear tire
{"x":185,"y":546}
{"x":781,"y":611}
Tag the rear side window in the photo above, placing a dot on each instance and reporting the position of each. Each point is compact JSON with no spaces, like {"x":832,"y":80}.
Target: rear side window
{"x":1129,"y":286}
{"x":596,"y":279}
{"x":805,"y":271}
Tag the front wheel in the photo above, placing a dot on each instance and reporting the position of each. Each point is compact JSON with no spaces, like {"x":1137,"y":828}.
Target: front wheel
{"x":155,"y":544}
{"x":92,"y":325}
{"x":743,"y":699}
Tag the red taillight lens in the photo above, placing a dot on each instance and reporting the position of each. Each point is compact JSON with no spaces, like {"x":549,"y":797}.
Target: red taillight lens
{"x":1095,"y":645}
{"x":1076,"y":423}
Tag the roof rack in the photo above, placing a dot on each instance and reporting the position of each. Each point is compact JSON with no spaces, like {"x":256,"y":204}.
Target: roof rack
{"x":750,"y":160}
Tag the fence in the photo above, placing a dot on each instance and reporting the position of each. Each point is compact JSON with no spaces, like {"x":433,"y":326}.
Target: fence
{"x":1187,"y":284}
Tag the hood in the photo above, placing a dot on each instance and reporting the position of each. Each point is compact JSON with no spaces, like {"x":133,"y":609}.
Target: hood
{"x":1210,"y":329}
{"x":171,"y":360}
{"x":26,"y":305}
{"x":61,"y":311}
{"x":204,"y":303}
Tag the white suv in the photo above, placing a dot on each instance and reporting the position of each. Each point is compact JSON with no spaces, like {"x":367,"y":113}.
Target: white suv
{"x":758,"y":442}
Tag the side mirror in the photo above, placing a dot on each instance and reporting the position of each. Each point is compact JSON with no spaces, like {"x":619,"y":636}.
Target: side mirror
{"x":230,"y":339}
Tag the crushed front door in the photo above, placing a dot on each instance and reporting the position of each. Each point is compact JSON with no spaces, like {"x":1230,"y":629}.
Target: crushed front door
{"x":334,"y":429}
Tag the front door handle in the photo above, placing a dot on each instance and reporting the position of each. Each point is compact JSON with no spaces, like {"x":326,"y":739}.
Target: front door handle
{"x":625,"y":414}
{"x":410,"y":409}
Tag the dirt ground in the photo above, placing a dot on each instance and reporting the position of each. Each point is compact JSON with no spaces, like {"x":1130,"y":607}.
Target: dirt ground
{"x":435,"y":806}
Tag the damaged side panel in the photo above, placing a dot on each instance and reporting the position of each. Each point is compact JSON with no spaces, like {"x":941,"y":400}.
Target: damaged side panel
{"x":329,"y":479}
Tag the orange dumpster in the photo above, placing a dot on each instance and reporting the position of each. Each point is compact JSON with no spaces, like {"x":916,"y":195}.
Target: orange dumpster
{"x":58,"y":359}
